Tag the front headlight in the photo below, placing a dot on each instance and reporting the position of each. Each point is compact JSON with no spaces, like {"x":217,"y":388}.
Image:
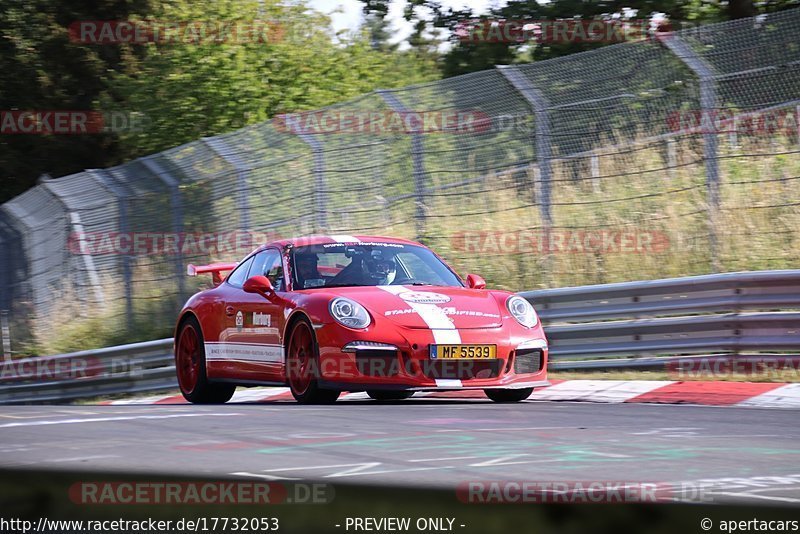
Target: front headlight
{"x":522,"y":311}
{"x":349,"y":313}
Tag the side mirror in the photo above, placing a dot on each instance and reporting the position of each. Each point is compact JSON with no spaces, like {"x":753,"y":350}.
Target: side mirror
{"x":260,"y":285}
{"x":475,"y":282}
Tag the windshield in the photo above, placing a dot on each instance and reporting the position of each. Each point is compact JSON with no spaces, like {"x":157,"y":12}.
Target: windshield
{"x":368,"y":264}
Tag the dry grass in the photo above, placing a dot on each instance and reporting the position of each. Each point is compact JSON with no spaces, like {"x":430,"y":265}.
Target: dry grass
{"x":637,"y":191}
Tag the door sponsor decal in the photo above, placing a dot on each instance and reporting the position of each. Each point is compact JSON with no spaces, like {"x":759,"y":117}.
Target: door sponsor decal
{"x":244,"y":352}
{"x":262,"y":319}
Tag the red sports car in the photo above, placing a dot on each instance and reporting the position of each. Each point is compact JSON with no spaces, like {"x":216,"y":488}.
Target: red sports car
{"x":327,"y":314}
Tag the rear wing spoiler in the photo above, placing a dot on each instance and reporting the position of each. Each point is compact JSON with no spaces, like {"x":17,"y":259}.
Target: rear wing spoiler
{"x":216,"y":270}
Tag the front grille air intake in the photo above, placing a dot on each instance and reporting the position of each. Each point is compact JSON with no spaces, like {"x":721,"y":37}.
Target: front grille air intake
{"x":527,"y":361}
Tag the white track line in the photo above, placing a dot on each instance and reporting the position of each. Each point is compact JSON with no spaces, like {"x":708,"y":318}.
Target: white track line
{"x":111,"y":419}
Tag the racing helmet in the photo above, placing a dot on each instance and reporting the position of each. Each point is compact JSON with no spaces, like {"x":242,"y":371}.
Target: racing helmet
{"x":306,"y":270}
{"x":380,"y":269}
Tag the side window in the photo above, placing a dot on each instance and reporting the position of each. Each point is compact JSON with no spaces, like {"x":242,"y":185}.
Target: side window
{"x":260,"y":262}
{"x":268,"y":263}
{"x":275,"y":273}
{"x":239,"y":275}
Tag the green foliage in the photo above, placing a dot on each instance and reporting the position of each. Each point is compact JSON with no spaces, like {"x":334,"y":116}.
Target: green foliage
{"x":190,"y":91}
{"x":465,"y":57}
{"x":43,"y":70}
{"x":183,"y":90}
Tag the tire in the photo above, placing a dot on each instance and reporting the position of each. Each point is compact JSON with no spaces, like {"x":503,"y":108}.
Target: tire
{"x":379,"y":395}
{"x":302,"y":357}
{"x":508,"y":395}
{"x":190,"y":366}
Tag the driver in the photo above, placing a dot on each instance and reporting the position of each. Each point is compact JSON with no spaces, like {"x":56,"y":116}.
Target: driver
{"x":379,"y":269}
{"x":307,"y":273}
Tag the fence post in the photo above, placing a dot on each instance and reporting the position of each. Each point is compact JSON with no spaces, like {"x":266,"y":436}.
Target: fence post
{"x":103,"y":176}
{"x":594,"y":164}
{"x":320,"y":195}
{"x":76,"y":227}
{"x":797,"y":123}
{"x":176,"y":204}
{"x":708,"y":108}
{"x":418,"y":162}
{"x":672,"y":157}
{"x":88,"y":261}
{"x":221,"y":149}
{"x":5,"y":269}
{"x":6,"y":335}
{"x":5,"y":295}
{"x":537,"y":101}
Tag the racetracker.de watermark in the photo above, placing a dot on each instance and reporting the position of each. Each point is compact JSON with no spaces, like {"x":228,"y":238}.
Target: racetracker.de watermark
{"x":765,"y":123}
{"x":378,"y":122}
{"x":722,"y":367}
{"x":166,"y":243}
{"x":140,"y":32}
{"x":552,"y":31}
{"x":73,"y":368}
{"x":391,"y":366}
{"x":209,"y":492}
{"x":70,"y":122}
{"x":579,"y":492}
{"x":606,"y":241}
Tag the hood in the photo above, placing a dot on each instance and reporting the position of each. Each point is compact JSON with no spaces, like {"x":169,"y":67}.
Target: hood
{"x":425,"y":306}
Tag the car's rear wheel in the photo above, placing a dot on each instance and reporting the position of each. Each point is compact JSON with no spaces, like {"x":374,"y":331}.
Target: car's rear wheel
{"x":379,"y":395}
{"x":302,"y":367}
{"x":190,"y":364}
{"x":508,"y":395}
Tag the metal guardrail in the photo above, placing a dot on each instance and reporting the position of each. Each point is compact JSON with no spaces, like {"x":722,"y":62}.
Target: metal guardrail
{"x":657,"y":324}
{"x":125,"y":369}
{"x":710,"y":314}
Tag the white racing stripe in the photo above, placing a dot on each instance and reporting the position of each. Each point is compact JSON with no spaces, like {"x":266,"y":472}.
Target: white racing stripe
{"x":341,"y":238}
{"x":444,"y":332}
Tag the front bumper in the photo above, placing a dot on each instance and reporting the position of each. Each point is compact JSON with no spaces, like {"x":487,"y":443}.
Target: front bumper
{"x":521,"y":361}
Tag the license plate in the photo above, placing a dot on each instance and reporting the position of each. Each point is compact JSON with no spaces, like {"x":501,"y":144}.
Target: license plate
{"x":463,"y":352}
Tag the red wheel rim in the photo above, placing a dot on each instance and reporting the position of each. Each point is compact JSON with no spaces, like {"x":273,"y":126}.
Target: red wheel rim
{"x":188,"y":363}
{"x":301,"y":358}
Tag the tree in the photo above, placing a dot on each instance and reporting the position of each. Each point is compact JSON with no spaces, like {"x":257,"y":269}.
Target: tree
{"x":191,"y":91}
{"x":42,"y":71}
{"x":466,"y":57}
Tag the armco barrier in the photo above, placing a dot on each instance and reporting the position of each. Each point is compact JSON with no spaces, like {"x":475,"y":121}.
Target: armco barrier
{"x":711,"y":314}
{"x":654,"y":323}
{"x":126,"y":369}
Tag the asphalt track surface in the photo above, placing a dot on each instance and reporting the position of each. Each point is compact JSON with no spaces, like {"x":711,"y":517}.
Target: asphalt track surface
{"x":727,"y":454}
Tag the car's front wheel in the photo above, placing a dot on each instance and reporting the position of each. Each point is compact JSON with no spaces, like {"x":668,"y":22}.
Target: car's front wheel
{"x":302,"y":367}
{"x":190,"y":364}
{"x":379,"y":395}
{"x":508,"y":395}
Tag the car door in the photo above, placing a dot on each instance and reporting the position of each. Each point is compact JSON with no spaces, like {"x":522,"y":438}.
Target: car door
{"x":250,"y":343}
